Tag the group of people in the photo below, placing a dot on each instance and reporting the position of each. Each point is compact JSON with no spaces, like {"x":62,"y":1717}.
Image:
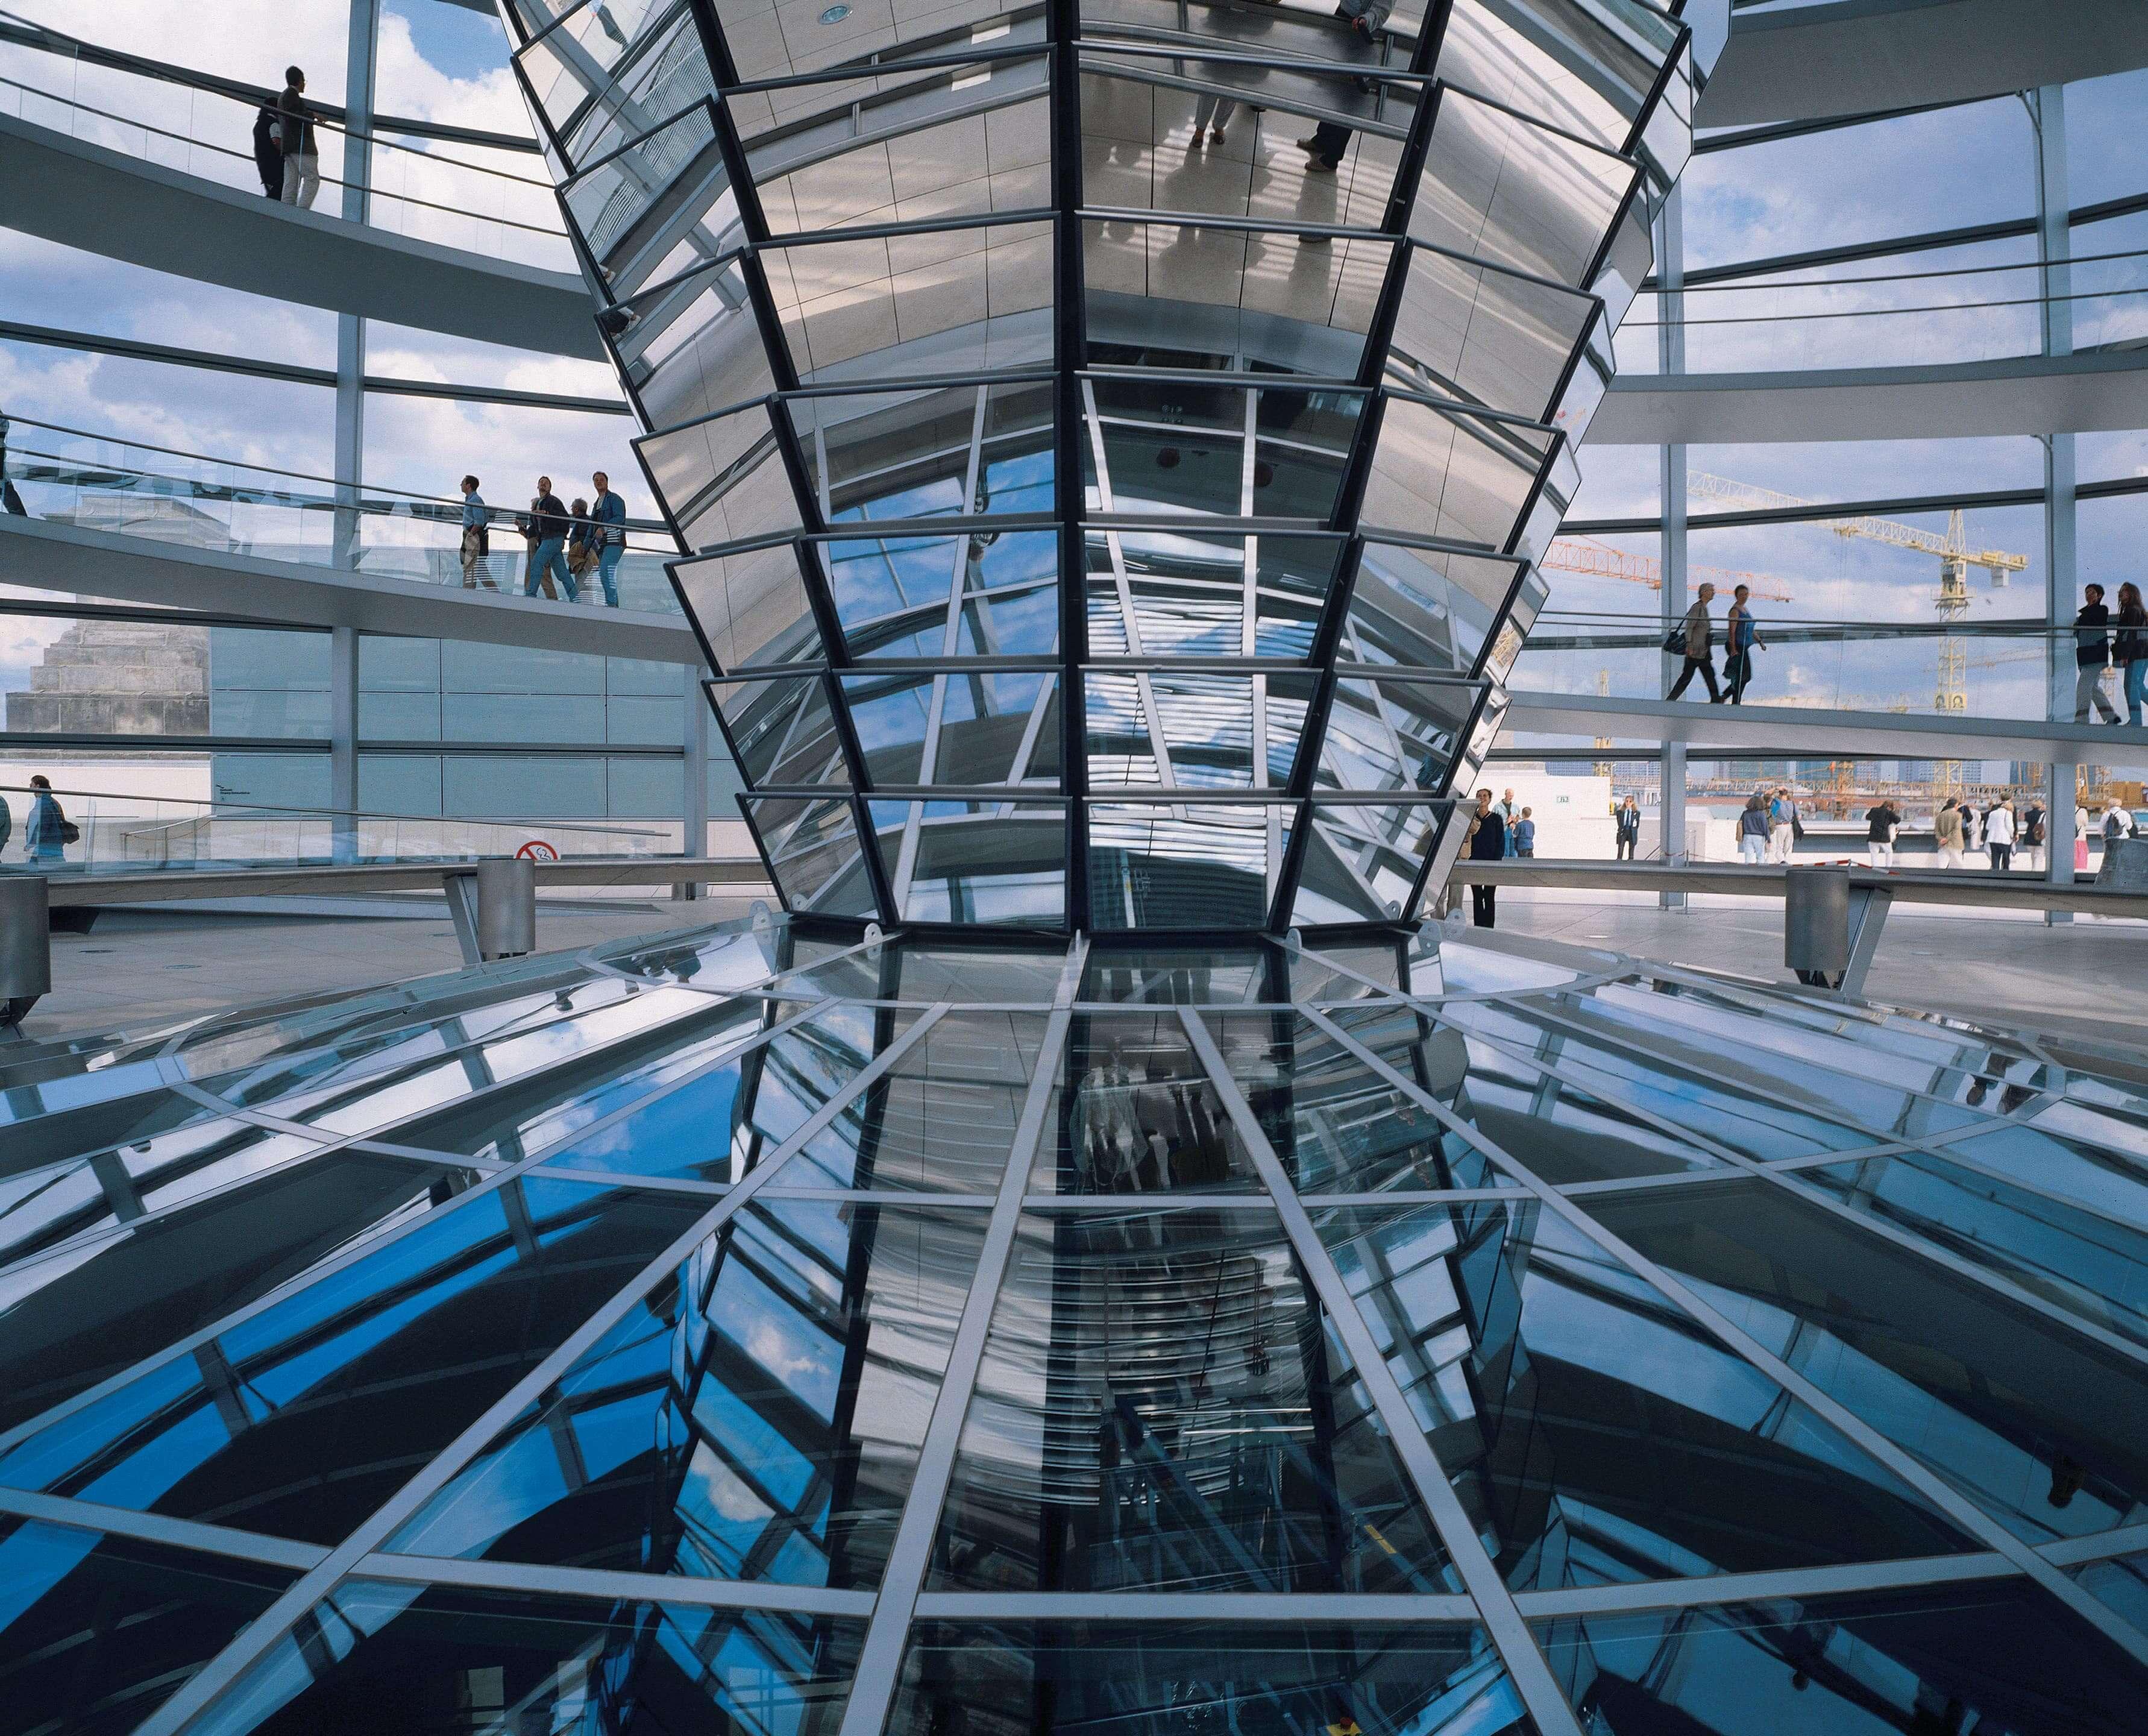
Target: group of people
{"x":285,"y":151}
{"x":1769,"y":827}
{"x":1497,"y":829}
{"x":1694,"y":638}
{"x":1960,"y":829}
{"x":2096,"y":649}
{"x":565,"y":542}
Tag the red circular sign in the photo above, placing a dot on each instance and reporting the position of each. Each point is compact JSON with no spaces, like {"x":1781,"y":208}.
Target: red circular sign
{"x":538,"y":850}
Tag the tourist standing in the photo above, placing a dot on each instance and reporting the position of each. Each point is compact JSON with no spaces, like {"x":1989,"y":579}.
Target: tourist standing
{"x":268,"y":149}
{"x":1999,"y":834}
{"x":1782,"y":823}
{"x":302,"y":159}
{"x":2033,"y":819}
{"x":1525,"y":833}
{"x":1882,"y":822}
{"x":608,"y":513}
{"x":1488,"y":843}
{"x":1626,"y":817}
{"x":1753,"y":832}
{"x":1947,"y":833}
{"x":45,"y":839}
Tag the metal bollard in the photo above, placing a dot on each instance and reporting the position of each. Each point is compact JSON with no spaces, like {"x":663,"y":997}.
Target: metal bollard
{"x":506,"y":907}
{"x":26,"y":945}
{"x":1816,"y":924}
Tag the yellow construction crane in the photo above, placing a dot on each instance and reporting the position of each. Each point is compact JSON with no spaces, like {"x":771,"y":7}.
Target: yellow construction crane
{"x":1585,"y":554}
{"x":1951,"y":694}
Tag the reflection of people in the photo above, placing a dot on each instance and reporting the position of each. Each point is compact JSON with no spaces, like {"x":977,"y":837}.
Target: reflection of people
{"x":1325,"y":148}
{"x":1211,"y":114}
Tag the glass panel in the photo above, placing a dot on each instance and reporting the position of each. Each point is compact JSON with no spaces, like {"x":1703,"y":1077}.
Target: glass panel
{"x":1564,"y":1133}
{"x":1363,"y":859}
{"x":1161,"y":1406}
{"x":1425,"y":608}
{"x":1143,"y":1118}
{"x":2122,"y":1584}
{"x":1183,"y":979}
{"x":484,"y":1660}
{"x":724,"y":478}
{"x":814,"y":853}
{"x":1511,"y":194}
{"x":691,"y":349}
{"x":2042,"y":1429}
{"x":1196,"y":730}
{"x":1204,"y":865}
{"x":1485,"y":336}
{"x":752,"y":606}
{"x":948,"y":301}
{"x":992,"y":729}
{"x":1295,"y":303}
{"x":977,"y":861}
{"x":757,"y":1416}
{"x":1175,"y":447}
{"x":658,"y":208}
{"x":2076,"y":1258}
{"x":302,"y":1419}
{"x":782,"y":733}
{"x":1034,"y":1678}
{"x":1594,"y":1433}
{"x":1336,"y":1126}
{"x":1185,"y":593}
{"x":942,"y":1121}
{"x":1997,"y":1656}
{"x":718,"y":1125}
{"x":1385,"y":736}
{"x":100,"y":1630}
{"x":1686,"y":1097}
{"x":1446,"y":474}
{"x":82,"y":1307}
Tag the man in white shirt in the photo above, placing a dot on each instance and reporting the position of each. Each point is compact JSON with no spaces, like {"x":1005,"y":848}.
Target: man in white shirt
{"x":1999,"y":834}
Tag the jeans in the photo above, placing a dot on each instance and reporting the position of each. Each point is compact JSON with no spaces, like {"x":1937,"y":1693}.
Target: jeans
{"x":549,"y":557}
{"x":2136,"y":689}
{"x":608,"y":571}
{"x":1484,"y":905}
{"x":1755,"y":848}
{"x":1696,"y":666}
{"x":2088,"y":688}
{"x":302,"y":181}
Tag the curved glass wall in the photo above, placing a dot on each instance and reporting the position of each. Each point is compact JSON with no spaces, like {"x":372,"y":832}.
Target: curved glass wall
{"x":1114,"y":443}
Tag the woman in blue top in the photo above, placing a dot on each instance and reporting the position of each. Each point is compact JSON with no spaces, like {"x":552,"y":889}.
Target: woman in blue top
{"x":44,"y":839}
{"x":1740,"y":636}
{"x":608,"y":513}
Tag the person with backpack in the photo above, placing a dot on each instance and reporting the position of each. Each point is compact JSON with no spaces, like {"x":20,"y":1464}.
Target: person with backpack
{"x":2032,"y":836}
{"x":50,"y":832}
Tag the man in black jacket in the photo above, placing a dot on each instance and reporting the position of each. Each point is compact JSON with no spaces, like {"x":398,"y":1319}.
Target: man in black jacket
{"x":1488,"y":843}
{"x":2092,"y":656}
{"x":302,"y":159}
{"x":267,"y":152}
{"x":548,"y":544}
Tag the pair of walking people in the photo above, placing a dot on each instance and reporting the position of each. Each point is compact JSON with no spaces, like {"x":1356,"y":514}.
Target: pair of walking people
{"x":1694,"y":639}
{"x":565,"y":544}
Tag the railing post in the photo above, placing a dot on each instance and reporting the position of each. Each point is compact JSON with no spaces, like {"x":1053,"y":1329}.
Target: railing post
{"x":26,"y":947}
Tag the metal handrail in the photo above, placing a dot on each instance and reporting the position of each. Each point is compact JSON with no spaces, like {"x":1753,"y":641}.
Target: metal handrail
{"x":236,"y":809}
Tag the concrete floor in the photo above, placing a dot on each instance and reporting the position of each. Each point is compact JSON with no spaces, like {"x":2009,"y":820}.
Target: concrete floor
{"x":135,"y":971}
{"x":2081,"y":976}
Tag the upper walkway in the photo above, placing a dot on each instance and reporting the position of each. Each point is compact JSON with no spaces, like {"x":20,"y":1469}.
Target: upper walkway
{"x":1859,"y":57}
{"x":86,"y":195}
{"x":1810,"y":732}
{"x":141,"y":569}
